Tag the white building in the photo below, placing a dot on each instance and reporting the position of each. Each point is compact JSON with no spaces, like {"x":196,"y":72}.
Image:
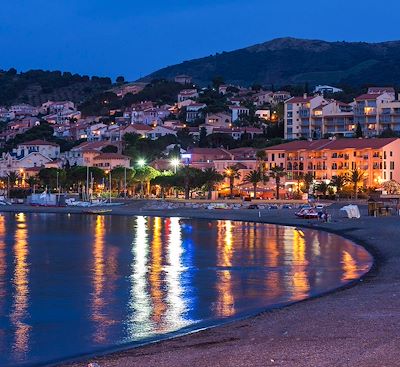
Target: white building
{"x":187,"y":94}
{"x":326,"y":89}
{"x":298,"y":113}
{"x":237,"y":112}
{"x":263,"y":114}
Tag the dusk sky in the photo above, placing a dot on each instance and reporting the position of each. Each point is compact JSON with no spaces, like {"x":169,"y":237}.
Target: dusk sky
{"x":133,"y":38}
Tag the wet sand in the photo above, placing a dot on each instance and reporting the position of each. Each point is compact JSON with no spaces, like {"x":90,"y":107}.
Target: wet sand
{"x":356,"y":326}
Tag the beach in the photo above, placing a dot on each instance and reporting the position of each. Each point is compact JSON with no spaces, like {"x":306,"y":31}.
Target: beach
{"x":355,"y":326}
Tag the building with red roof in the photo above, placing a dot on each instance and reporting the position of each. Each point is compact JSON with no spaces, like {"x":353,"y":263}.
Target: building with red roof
{"x":377,"y":111}
{"x":377,"y":158}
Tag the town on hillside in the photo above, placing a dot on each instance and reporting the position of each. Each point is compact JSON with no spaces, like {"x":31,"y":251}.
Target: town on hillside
{"x":173,"y":137}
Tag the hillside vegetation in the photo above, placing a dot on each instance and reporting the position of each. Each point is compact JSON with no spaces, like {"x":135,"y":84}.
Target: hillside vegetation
{"x":38,"y":86}
{"x":286,"y":61}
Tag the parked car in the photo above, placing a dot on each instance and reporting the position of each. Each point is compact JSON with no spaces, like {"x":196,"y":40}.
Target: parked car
{"x":253,"y":206}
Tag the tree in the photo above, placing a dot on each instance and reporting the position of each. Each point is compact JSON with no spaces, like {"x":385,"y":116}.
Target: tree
{"x":203,"y":138}
{"x":217,"y":81}
{"x":359,"y":133}
{"x":338,"y":182}
{"x":355,"y":177}
{"x":254,"y":177}
{"x":144,"y":175}
{"x":232,"y":173}
{"x":31,"y":181}
{"x":308,"y":180}
{"x":299,"y":178}
{"x":77,"y":175}
{"x":165,"y":181}
{"x":109,"y":149}
{"x":188,"y":175}
{"x":388,"y":133}
{"x":392,"y":187}
{"x":261,"y":156}
{"x":323,"y":188}
{"x":120,"y":80}
{"x":12,"y":178}
{"x":52,"y":176}
{"x":277,"y":173}
{"x":118,"y":176}
{"x":211,"y":178}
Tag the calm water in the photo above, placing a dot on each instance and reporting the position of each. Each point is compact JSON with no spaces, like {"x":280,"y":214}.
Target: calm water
{"x":72,"y":285}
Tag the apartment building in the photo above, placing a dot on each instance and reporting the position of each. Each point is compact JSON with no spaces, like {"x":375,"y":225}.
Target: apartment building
{"x":332,"y":118}
{"x":376,"y":111}
{"x":298,"y":116}
{"x":378,"y":158}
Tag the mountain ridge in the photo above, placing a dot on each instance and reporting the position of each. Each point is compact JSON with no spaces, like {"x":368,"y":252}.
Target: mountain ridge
{"x":289,"y":60}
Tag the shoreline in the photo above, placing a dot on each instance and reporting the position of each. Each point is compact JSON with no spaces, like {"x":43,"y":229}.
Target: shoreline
{"x":189,"y":347}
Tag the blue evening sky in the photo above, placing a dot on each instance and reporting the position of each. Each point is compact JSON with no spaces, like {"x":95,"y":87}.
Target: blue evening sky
{"x":133,"y":38}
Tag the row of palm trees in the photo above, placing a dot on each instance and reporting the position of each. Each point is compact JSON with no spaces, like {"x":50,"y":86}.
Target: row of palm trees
{"x":255,"y":177}
{"x":352,"y":178}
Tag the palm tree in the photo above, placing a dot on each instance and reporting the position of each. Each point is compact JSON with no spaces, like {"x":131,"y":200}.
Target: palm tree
{"x":300,"y":178}
{"x":261,"y":156}
{"x":211,"y":178}
{"x":277,"y":173}
{"x":339,"y":182}
{"x":12,"y":178}
{"x":355,"y":177}
{"x":32,"y":182}
{"x":232,"y":173}
{"x":308,"y":180}
{"x":254,"y":177}
{"x":323,"y":188}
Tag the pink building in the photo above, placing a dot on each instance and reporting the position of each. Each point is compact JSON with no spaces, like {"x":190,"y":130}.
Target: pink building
{"x":378,"y":159}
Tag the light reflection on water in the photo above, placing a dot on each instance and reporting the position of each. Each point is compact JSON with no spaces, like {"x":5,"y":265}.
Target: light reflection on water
{"x":94,"y":283}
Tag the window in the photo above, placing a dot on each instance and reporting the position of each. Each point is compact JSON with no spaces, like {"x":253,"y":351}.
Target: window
{"x":391,"y":153}
{"x":392,"y":165}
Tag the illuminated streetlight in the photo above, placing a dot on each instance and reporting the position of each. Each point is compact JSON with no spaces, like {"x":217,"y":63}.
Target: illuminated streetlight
{"x":141,"y":162}
{"x":21,"y":172}
{"x":108,"y":172}
{"x":175,"y":163}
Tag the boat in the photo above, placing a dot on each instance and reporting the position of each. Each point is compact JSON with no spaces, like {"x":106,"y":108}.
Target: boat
{"x":307,"y":213}
{"x":97,"y":211}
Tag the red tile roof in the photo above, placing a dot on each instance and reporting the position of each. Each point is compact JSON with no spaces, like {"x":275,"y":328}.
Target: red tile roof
{"x":381,"y":90}
{"x":110,"y":156}
{"x":335,"y":144}
{"x":369,"y":96}
{"x":299,"y":99}
{"x":39,"y":142}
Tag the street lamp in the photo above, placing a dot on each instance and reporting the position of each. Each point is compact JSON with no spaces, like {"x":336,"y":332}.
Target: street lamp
{"x":108,"y":172}
{"x":58,"y":190}
{"x":124,"y":182}
{"x":175,"y":162}
{"x":141,"y":162}
{"x":21,"y":172}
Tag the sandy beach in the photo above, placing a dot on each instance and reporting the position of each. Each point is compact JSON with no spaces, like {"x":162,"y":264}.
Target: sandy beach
{"x":356,"y":326}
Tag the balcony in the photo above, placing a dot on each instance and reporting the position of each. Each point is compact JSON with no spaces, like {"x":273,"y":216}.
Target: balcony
{"x":304,"y":112}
